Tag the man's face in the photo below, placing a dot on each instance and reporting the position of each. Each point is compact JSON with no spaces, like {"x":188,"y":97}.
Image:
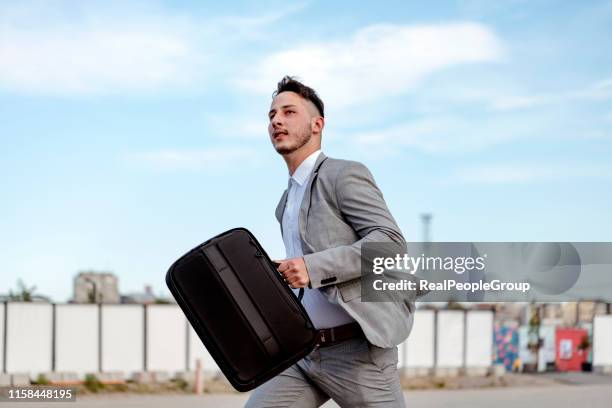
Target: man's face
{"x":290,"y":124}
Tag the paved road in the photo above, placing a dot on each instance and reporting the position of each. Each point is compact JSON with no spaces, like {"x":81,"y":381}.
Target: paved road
{"x":558,"y":396}
{"x":578,"y":378}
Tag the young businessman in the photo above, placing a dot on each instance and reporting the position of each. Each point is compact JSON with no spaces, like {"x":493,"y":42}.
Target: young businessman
{"x":329,"y":209}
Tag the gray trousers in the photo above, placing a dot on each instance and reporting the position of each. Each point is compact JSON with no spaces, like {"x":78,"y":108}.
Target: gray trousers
{"x":353,"y":373}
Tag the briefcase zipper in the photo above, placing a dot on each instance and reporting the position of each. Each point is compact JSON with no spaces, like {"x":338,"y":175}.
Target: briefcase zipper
{"x":300,"y":308}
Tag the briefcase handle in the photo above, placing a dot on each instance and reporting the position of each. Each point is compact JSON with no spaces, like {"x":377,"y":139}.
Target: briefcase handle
{"x":300,"y":293}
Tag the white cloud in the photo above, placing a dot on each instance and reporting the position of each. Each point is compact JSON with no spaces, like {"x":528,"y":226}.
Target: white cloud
{"x":532,"y":173}
{"x":90,"y":54}
{"x":238,"y":126}
{"x":438,"y":133}
{"x":598,"y":91}
{"x":445,"y":134}
{"x":214,"y":158}
{"x":250,"y":26}
{"x":96,"y":60}
{"x":63,"y":48}
{"x":377,"y":61}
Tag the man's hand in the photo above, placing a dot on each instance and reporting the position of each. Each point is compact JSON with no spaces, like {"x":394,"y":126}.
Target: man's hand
{"x":294,"y":271}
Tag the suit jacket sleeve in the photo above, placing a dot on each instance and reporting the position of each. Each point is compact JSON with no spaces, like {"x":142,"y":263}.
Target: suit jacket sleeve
{"x":361,"y":204}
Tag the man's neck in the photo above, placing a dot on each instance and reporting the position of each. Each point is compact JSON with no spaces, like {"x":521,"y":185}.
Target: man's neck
{"x":294,"y":159}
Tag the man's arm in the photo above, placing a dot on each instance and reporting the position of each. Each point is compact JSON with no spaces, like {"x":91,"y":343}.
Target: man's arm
{"x":361,"y":203}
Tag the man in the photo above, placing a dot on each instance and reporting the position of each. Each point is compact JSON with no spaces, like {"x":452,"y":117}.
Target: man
{"x":329,"y":209}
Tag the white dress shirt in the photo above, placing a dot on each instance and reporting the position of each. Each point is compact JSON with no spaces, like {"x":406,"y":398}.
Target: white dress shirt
{"x":322,"y":312}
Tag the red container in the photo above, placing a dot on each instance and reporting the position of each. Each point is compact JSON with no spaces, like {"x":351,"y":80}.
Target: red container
{"x":568,"y":357}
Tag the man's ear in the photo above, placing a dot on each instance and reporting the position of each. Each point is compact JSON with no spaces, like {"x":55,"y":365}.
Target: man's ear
{"x":318,"y":122}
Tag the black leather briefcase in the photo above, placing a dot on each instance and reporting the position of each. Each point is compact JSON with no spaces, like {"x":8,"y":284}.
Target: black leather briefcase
{"x":241,"y":308}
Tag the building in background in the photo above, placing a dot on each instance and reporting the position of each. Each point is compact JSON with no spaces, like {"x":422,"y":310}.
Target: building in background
{"x":577,"y":313}
{"x":96,"y":287}
{"x":144,"y":298}
{"x":510,"y":313}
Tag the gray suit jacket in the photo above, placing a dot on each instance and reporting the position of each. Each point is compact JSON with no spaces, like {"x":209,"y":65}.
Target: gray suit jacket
{"x":342,"y":208}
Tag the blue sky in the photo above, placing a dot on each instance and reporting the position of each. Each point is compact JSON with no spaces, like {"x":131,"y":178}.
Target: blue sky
{"x":132,"y":131}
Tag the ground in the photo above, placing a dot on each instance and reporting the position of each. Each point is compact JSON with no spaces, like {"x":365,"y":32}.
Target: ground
{"x":550,"y":390}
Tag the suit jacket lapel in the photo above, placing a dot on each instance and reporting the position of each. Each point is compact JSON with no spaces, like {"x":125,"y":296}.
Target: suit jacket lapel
{"x":280,"y":209}
{"x":305,"y":205}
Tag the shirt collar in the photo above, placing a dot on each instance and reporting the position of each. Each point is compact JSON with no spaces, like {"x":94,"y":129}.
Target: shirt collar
{"x":305,"y":168}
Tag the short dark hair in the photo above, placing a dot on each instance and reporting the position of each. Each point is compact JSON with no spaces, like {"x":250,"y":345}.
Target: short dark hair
{"x":291,"y":84}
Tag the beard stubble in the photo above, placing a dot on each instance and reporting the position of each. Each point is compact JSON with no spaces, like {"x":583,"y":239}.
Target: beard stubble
{"x":301,"y":140}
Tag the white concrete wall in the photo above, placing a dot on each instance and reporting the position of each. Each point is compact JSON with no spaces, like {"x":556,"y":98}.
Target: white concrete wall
{"x":420,"y":343}
{"x":602,"y":340}
{"x":479,"y":328}
{"x":548,"y":333}
{"x":123,"y":338}
{"x":526,"y":356}
{"x":76,"y":338}
{"x":450,"y":338}
{"x":29,"y":338}
{"x":1,"y":336}
{"x":198,"y":351}
{"x":166,"y":338}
